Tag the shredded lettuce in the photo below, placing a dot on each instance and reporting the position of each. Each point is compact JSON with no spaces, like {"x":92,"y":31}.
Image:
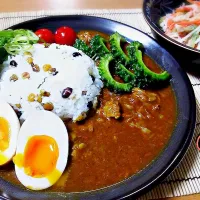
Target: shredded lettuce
{"x":16,"y":41}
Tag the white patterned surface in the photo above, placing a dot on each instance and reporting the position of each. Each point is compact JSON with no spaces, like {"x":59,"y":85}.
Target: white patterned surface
{"x":185,"y":179}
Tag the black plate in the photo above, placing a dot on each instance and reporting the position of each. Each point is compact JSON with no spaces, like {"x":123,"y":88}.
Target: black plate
{"x":153,"y":10}
{"x":182,"y":134}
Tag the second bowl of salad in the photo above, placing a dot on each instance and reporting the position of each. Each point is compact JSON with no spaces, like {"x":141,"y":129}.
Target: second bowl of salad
{"x":176,"y":24}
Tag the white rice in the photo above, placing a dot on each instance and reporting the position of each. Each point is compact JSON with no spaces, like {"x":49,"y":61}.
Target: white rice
{"x":79,"y":73}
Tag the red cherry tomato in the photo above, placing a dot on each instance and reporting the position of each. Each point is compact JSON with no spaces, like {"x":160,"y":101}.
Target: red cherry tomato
{"x":45,"y":35}
{"x":65,"y":35}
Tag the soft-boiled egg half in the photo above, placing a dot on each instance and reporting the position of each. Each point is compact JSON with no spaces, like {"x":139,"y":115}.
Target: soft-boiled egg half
{"x":42,"y":150}
{"x":9,"y":129}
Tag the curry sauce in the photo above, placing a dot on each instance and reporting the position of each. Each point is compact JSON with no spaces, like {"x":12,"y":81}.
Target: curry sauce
{"x":108,"y":150}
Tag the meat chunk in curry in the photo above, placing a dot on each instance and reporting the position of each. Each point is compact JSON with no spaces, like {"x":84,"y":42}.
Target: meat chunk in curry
{"x":112,"y":109}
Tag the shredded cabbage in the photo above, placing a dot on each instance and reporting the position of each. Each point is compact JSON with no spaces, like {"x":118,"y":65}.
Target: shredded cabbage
{"x":183,"y":24}
{"x":15,"y":41}
{"x":22,"y":41}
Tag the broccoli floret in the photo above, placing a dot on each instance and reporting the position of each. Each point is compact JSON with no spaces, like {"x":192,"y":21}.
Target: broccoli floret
{"x":109,"y":81}
{"x":81,"y":45}
{"x":98,"y":45}
{"x":124,"y":73}
{"x":115,"y":45}
{"x":144,"y":76}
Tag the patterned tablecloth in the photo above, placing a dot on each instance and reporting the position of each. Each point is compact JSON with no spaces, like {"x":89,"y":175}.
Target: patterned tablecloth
{"x":185,"y":179}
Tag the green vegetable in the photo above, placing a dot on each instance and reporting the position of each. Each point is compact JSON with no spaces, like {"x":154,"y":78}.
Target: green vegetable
{"x":144,"y":76}
{"x":161,"y":20}
{"x":81,"y":45}
{"x":97,"y":49}
{"x":15,"y":41}
{"x":98,"y":45}
{"x":109,"y":81}
{"x":5,"y":35}
{"x":2,"y":41}
{"x":3,"y":55}
{"x":22,"y":41}
{"x":115,"y":45}
{"x":124,"y":73}
{"x":193,"y":39}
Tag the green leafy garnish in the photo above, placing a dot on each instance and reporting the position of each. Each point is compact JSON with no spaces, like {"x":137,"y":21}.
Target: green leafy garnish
{"x":14,"y":41}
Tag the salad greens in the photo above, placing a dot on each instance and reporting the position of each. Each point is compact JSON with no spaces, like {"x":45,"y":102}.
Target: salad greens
{"x":14,"y":41}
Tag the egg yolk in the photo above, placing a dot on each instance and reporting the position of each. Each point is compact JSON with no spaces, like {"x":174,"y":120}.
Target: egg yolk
{"x":40,"y":156}
{"x":4,"y":134}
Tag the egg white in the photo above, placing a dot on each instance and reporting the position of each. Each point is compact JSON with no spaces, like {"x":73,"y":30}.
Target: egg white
{"x":43,"y":123}
{"x":7,"y":112}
